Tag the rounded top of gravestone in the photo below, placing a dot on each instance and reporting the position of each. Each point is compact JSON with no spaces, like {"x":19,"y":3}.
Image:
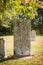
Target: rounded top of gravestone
{"x":33,"y":31}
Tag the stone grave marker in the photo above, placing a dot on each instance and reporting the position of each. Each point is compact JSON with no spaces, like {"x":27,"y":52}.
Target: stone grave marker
{"x":6,"y":47}
{"x":2,"y":47}
{"x":22,"y":37}
{"x":33,"y":35}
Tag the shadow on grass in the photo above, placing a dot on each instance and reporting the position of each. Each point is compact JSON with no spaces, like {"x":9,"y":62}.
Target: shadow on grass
{"x":14,"y":58}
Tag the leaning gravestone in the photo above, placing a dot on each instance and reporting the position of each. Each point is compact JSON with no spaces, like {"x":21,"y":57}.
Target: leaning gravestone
{"x":22,"y":31}
{"x":33,"y":35}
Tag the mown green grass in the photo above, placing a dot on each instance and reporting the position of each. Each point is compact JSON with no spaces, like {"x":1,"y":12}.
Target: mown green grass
{"x":37,"y":58}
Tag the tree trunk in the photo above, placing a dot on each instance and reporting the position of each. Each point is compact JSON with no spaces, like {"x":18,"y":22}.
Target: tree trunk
{"x":22,"y":32}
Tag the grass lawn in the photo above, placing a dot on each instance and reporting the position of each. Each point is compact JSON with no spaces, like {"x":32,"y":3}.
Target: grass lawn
{"x":37,"y":58}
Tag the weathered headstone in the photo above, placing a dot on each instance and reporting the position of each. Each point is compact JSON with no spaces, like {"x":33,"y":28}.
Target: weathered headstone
{"x":22,"y":31}
{"x":2,"y":47}
{"x":33,"y":35}
{"x":6,"y":47}
{"x":9,"y":46}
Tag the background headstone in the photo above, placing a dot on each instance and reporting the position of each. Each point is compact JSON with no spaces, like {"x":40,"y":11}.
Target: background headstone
{"x":33,"y":35}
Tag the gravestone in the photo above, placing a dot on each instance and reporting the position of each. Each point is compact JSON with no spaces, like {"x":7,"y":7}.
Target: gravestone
{"x":2,"y":47}
{"x":6,"y":47}
{"x":33,"y":35}
{"x":22,"y":31}
{"x":9,"y":46}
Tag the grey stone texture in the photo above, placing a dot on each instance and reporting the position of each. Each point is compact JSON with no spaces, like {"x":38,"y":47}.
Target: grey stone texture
{"x":22,"y":32}
{"x":2,"y":47}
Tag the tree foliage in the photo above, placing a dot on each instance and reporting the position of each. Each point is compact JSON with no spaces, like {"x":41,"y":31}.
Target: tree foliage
{"x":37,"y":24}
{"x":11,"y":8}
